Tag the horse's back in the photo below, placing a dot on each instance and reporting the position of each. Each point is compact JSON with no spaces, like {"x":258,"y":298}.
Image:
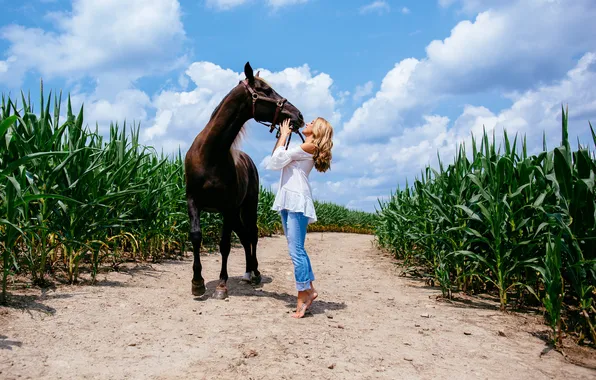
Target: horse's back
{"x":227,"y":183}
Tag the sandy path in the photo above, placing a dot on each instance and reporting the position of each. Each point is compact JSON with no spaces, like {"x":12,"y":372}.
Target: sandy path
{"x":145,"y":324}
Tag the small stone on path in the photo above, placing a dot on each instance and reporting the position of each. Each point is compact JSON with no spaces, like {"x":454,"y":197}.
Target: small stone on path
{"x":250,"y":353}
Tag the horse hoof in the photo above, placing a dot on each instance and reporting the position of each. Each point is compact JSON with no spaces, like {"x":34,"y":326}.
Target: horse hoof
{"x":256,"y":280}
{"x":220,"y":293}
{"x":198,"y":288}
{"x":246,"y":277}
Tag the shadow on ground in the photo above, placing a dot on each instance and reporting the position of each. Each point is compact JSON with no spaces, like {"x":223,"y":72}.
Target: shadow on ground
{"x":6,"y":344}
{"x":31,"y":303}
{"x":238,"y":288}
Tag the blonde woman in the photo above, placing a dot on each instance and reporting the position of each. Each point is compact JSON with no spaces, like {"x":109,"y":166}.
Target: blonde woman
{"x":294,"y":197}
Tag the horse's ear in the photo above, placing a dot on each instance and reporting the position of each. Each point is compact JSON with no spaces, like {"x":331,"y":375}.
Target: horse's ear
{"x":249,"y":73}
{"x":257,"y":74}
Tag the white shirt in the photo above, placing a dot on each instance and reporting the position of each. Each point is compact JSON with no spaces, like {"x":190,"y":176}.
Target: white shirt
{"x":294,"y":192}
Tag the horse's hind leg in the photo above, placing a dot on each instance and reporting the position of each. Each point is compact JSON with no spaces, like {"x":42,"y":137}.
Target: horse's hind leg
{"x":248,"y":233}
{"x":196,"y":238}
{"x":253,"y":233}
{"x":225,"y":245}
{"x":247,"y":253}
{"x":245,"y":241}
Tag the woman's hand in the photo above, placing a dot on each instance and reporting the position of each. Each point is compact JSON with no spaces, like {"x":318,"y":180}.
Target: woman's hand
{"x":284,"y":128}
{"x":284,"y":132}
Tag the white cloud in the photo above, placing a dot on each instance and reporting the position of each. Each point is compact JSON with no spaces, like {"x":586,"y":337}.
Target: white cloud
{"x":381,"y":115}
{"x":405,"y":10}
{"x":126,"y":105}
{"x":308,"y":91}
{"x":7,"y":72}
{"x":363,"y":91}
{"x":129,"y":37}
{"x":486,"y":53}
{"x":539,"y":110}
{"x":178,"y":112}
{"x":513,"y":47}
{"x":376,"y":6}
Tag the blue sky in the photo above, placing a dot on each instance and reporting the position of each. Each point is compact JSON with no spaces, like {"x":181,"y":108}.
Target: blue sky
{"x":399,"y":80}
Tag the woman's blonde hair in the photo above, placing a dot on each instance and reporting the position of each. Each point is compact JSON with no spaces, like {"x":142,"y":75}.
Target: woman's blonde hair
{"x":322,"y":133}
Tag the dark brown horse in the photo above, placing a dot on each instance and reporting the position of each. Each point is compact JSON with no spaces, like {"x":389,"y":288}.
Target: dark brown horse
{"x":221,"y":179}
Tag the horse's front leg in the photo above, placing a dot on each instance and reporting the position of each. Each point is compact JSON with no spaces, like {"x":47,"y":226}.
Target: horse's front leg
{"x":225,"y":244}
{"x":196,"y":238}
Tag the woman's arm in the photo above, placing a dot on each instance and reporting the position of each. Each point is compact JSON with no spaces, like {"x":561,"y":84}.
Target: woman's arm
{"x":281,"y":157}
{"x":285,"y":131}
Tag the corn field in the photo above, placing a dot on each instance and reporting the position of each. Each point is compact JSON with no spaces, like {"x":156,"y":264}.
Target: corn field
{"x":71,"y":202}
{"x":503,"y":222}
{"x":336,"y":218}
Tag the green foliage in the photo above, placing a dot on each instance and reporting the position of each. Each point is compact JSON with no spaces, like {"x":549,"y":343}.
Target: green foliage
{"x":553,"y":286}
{"x":506,"y":222}
{"x":336,"y":218}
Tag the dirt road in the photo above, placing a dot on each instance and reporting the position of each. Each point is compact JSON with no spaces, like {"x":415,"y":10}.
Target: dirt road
{"x":368,"y":323}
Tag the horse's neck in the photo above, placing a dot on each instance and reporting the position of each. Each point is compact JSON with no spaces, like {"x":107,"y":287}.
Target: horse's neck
{"x":226,"y":123}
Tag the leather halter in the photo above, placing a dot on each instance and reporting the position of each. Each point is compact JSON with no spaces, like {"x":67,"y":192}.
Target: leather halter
{"x":278,"y":109}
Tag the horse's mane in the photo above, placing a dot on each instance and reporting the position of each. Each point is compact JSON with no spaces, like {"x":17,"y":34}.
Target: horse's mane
{"x":234,"y":149}
{"x":241,"y":134}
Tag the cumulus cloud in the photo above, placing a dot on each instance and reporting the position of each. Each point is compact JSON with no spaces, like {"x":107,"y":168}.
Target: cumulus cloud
{"x":140,"y":37}
{"x":485,"y":53}
{"x":128,"y":105}
{"x":5,"y":75}
{"x":480,"y":56}
{"x":381,"y":115}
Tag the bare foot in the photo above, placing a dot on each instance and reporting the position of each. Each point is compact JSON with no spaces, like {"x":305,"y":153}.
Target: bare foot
{"x":301,"y":311}
{"x":312,"y":296}
{"x":303,"y":297}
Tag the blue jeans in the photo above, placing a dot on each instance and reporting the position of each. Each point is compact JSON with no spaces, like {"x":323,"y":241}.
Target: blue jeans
{"x":294,"y":225}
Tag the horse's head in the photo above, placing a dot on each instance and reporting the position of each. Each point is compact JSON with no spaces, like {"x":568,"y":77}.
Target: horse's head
{"x":267,"y":104}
